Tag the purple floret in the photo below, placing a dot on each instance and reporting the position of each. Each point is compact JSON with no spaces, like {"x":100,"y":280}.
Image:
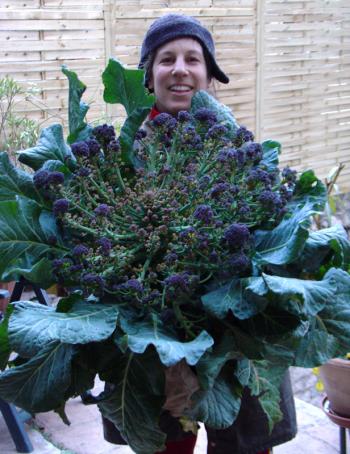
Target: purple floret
{"x":258,"y":176}
{"x":226,"y":155}
{"x":80,"y":149}
{"x":113,"y":146}
{"x":40,"y":178}
{"x":204,"y":213}
{"x":244,"y":135}
{"x":216,"y":132}
{"x":84,"y":172}
{"x":270,"y":200}
{"x":289,"y":175}
{"x":104,"y":134}
{"x":102,"y":210}
{"x":56,"y":178}
{"x":239,"y":262}
{"x":80,"y":250}
{"x":183,"y":116}
{"x":178,"y":281}
{"x":219,"y":189}
{"x":94,"y":147}
{"x":205,"y":115}
{"x":253,"y":151}
{"x":105,"y":245}
{"x":92,"y":279}
{"x":134,"y":285}
{"x":236,"y":236}
{"x":171,"y":258}
{"x":60,"y":206}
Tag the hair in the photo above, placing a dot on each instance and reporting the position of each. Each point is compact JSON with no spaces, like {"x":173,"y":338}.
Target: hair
{"x":148,"y":65}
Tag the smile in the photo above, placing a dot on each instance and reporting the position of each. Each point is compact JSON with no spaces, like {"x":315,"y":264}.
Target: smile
{"x":180,"y":88}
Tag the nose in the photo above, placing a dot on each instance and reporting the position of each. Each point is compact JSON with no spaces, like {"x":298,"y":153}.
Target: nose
{"x":180,"y":67}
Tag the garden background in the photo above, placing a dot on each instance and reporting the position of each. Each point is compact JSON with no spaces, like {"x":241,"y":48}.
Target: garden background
{"x":288,"y":63}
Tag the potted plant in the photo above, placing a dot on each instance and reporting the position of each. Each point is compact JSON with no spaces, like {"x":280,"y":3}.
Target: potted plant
{"x":335,"y":375}
{"x":192,"y":248}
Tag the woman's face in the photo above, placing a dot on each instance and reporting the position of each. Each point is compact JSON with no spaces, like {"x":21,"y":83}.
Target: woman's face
{"x":178,"y":71}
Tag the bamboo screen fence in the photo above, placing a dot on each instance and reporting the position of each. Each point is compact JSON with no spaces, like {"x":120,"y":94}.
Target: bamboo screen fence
{"x":288,"y":61}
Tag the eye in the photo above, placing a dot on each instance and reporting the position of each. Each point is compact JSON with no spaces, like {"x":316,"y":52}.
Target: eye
{"x":165,"y":60}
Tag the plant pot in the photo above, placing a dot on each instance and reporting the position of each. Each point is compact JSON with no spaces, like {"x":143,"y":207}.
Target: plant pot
{"x":111,"y":433}
{"x":9,"y":286}
{"x":336,"y":379}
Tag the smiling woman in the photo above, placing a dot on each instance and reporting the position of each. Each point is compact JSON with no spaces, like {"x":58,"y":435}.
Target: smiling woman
{"x":178,"y":56}
{"x":178,"y":71}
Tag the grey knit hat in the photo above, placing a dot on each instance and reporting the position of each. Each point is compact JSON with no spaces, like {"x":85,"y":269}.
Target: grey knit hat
{"x":172,"y":26}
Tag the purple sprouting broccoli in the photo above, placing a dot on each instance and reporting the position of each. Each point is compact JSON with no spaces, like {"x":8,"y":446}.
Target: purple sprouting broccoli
{"x":83,"y":172}
{"x":253,"y":152}
{"x":60,"y":206}
{"x":239,"y":262}
{"x":92,"y":280}
{"x":183,"y":116}
{"x":40,"y":179}
{"x":270,"y":200}
{"x":205,"y":115}
{"x":289,"y":175}
{"x":236,"y":236}
{"x":178,"y":281}
{"x":102,"y":210}
{"x":258,"y":176}
{"x":80,"y":250}
{"x":204,"y":213}
{"x":165,"y":121}
{"x":94,"y":147}
{"x":217,"y":131}
{"x":226,"y":155}
{"x":218,"y":189}
{"x":134,"y":286}
{"x":171,"y":258}
{"x":55,"y":178}
{"x":104,"y":134}
{"x":243,"y":135}
{"x":80,"y":149}
{"x":113,"y":146}
{"x":105,"y":245}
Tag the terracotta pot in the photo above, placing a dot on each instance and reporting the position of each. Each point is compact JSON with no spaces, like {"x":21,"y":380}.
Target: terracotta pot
{"x":336,"y":378}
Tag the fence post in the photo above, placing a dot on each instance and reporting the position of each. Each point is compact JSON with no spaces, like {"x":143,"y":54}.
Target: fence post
{"x":109,"y":9}
{"x":260,"y":54}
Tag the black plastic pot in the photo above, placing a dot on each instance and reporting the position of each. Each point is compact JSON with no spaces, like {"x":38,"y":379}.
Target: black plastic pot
{"x":111,"y":433}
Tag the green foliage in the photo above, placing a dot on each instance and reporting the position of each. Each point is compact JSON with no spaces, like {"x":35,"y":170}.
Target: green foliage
{"x":290,"y":308}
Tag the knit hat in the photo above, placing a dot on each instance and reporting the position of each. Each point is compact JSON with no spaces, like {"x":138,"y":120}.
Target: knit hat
{"x":172,"y":26}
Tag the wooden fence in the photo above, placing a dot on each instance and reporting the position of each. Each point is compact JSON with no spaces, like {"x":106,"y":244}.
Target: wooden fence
{"x":288,"y":62}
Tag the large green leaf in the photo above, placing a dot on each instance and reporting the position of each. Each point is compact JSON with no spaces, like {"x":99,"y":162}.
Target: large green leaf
{"x":15,"y":181}
{"x":236,"y":297}
{"x":141,"y":334}
{"x":5,"y":349}
{"x":125,"y":86}
{"x":299,"y":296}
{"x":23,"y":238}
{"x":209,"y":366}
{"x":40,"y":384}
{"x":219,"y":405}
{"x":335,"y":317}
{"x":265,"y":380}
{"x":136,"y":403}
{"x":224,"y":114}
{"x":51,"y":145}
{"x":128,"y":131}
{"x":282,"y":245}
{"x":311,"y":188}
{"x":36,"y":272}
{"x":33,"y":325}
{"x":320,"y":243}
{"x":271,"y":151}
{"x":316,"y":348}
{"x":77,"y":109}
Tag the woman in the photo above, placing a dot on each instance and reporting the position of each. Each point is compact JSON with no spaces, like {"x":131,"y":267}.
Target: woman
{"x":178,"y":57}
